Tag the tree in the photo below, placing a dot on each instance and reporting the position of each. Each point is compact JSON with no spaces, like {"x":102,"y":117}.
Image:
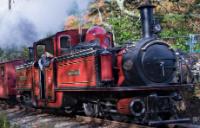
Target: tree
{"x":178,"y":18}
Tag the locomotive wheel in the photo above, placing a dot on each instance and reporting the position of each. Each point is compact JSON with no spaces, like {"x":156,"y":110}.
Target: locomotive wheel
{"x":91,"y":109}
{"x":26,"y":100}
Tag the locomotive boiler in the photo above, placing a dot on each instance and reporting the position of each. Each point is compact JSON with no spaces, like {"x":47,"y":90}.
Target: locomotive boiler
{"x":151,"y":61}
{"x":132,"y":82}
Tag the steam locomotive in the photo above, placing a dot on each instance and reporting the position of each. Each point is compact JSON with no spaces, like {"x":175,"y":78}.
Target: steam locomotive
{"x":133,"y":82}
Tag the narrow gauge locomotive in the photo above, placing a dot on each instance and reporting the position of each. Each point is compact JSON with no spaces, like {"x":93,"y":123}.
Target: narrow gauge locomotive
{"x":133,"y":81}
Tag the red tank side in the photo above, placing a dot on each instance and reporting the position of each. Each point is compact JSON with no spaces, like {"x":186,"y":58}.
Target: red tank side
{"x":79,"y":72}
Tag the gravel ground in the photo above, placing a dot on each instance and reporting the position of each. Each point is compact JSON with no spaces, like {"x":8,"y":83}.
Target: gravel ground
{"x":22,"y":118}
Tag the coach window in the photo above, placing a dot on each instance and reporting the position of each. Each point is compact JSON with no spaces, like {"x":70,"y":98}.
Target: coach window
{"x":2,"y":72}
{"x":65,"y":44}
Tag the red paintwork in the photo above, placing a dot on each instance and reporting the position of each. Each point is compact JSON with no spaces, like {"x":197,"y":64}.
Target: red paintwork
{"x":36,"y":79}
{"x":8,"y":80}
{"x":24,"y":78}
{"x":78,"y":72}
{"x":51,"y":104}
{"x":97,"y":32}
{"x":75,"y":39}
{"x":106,"y":67}
{"x":119,"y":67}
{"x":123,"y":106}
{"x":49,"y":83}
{"x":93,"y":32}
{"x":58,"y":102}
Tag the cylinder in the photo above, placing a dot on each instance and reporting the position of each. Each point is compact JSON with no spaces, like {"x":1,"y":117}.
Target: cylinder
{"x":131,"y":106}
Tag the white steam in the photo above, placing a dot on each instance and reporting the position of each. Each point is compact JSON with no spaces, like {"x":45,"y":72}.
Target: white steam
{"x":30,"y":20}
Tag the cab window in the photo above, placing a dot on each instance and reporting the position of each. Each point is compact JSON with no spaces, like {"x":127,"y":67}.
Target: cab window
{"x":45,"y":46}
{"x":40,"y":50}
{"x":65,"y":44}
{"x":49,"y":46}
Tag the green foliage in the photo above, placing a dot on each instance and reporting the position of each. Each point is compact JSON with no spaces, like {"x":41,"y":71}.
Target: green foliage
{"x":12,"y":53}
{"x":175,"y":25}
{"x":4,"y":123}
{"x":178,"y":42}
{"x":197,"y":47}
{"x":9,"y":54}
{"x":25,"y":53}
{"x":177,"y":20}
{"x":125,"y":28}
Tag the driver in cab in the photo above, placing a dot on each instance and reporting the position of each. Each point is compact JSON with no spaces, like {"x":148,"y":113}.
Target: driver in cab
{"x":44,"y":61}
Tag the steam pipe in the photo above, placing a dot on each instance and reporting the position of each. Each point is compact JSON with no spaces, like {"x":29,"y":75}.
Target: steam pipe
{"x":146,"y":14}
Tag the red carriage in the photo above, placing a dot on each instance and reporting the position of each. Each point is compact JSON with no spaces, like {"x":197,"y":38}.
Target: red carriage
{"x":8,"y":79}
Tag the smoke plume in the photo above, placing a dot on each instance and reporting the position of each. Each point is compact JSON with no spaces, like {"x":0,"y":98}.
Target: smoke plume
{"x":31,"y":20}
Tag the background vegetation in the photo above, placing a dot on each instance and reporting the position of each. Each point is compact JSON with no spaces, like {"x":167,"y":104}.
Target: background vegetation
{"x":178,"y":19}
{"x":4,"y":123}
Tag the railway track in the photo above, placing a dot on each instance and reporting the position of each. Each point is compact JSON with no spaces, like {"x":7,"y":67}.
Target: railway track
{"x":36,"y":118}
{"x":113,"y":123}
{"x":185,"y":126}
{"x":30,"y":118}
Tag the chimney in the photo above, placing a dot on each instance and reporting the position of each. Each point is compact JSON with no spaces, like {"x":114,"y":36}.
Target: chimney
{"x":146,"y":14}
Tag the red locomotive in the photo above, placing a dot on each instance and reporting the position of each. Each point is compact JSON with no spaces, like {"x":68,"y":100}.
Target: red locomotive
{"x":132,"y":81}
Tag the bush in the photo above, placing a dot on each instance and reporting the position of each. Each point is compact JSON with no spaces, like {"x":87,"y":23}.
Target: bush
{"x":4,"y":123}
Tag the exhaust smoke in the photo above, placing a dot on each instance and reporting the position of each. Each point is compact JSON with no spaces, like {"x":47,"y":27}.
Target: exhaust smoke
{"x":31,"y":20}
